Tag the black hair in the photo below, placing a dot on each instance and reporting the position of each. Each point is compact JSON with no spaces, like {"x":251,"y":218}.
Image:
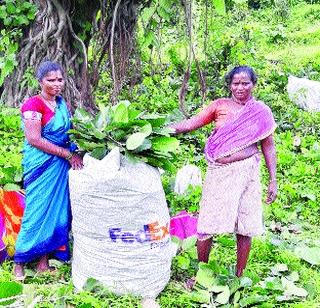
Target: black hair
{"x":47,"y":67}
{"x":241,"y":69}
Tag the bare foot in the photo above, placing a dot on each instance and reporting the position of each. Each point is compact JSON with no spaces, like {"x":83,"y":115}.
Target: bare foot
{"x":43,"y":265}
{"x":19,"y":272}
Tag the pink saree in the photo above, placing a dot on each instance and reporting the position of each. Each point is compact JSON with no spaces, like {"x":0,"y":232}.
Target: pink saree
{"x":251,"y":124}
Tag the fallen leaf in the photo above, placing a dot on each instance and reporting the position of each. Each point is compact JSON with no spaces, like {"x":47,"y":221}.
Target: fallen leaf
{"x":309,"y":254}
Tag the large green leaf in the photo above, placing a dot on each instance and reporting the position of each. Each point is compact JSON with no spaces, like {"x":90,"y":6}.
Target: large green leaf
{"x":135,"y":140}
{"x":134,"y":114}
{"x":89,"y":146}
{"x":309,"y":254}
{"x":118,"y":134}
{"x":156,"y":120}
{"x":292,"y":289}
{"x":102,"y":118}
{"x":165,"y":144}
{"x":166,"y":131}
{"x":82,"y":115}
{"x":252,"y":299}
{"x":223,"y":297}
{"x":163,"y":163}
{"x":9,"y":289}
{"x":146,"y":129}
{"x":201,"y":296}
{"x":98,"y":134}
{"x":189,"y":243}
{"x":183,"y":262}
{"x":146,"y":145}
{"x":99,"y":153}
{"x":205,"y":276}
{"x":121,"y":113}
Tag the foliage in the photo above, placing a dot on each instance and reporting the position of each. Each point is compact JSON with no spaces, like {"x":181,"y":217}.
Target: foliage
{"x":11,"y":137}
{"x":137,"y":134}
{"x":13,"y":15}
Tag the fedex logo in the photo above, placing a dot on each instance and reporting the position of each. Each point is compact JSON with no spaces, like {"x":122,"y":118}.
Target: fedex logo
{"x":150,"y":233}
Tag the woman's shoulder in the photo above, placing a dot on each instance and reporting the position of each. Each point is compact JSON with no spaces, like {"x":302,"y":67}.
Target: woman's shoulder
{"x":220,"y":102}
{"x":262,"y":105}
{"x":33,"y":103}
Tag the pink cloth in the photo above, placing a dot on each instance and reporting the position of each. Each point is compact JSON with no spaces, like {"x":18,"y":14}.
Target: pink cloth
{"x":183,"y":225}
{"x":251,"y":124}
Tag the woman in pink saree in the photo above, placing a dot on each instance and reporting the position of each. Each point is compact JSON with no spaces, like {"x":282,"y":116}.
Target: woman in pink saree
{"x":231,"y":197}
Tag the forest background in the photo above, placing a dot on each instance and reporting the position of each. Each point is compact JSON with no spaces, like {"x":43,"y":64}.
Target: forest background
{"x":170,"y":57}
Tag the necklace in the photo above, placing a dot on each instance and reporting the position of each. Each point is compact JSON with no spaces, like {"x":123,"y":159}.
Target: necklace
{"x":53,"y":104}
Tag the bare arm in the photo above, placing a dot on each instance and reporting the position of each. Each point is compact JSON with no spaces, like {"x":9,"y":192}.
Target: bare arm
{"x":33,"y":136}
{"x":269,"y":153}
{"x":204,"y":117}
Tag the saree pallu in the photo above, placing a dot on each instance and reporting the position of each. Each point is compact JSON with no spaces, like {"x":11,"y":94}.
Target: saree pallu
{"x":47,"y":217}
{"x":251,"y":124}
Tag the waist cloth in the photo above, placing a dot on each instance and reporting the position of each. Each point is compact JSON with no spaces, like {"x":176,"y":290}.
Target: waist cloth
{"x":231,"y":199}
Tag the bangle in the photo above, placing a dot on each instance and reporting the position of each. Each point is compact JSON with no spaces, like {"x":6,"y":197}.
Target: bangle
{"x":69,"y":156}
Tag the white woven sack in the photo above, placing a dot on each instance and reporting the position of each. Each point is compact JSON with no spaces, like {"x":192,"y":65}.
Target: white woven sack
{"x":120,"y":226}
{"x":304,"y":93}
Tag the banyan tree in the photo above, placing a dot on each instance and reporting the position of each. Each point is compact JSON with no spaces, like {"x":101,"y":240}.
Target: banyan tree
{"x":62,"y":31}
{"x":87,"y":38}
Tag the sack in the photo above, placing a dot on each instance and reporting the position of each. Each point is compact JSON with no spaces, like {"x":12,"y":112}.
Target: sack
{"x":304,"y":93}
{"x":187,"y":175}
{"x":120,"y":226}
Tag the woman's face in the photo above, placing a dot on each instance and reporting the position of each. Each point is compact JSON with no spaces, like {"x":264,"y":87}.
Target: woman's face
{"x":53,"y":83}
{"x":241,"y":87}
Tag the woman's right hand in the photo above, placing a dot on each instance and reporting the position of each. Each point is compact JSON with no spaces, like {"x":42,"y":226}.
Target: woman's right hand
{"x":76,"y":162}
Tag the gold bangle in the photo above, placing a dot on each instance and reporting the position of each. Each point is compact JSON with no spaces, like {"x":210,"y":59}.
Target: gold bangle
{"x":69,"y":156}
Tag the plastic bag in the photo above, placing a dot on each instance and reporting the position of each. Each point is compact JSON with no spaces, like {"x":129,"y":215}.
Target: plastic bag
{"x":183,"y":225}
{"x":304,"y":93}
{"x":120,"y":226}
{"x":187,"y":175}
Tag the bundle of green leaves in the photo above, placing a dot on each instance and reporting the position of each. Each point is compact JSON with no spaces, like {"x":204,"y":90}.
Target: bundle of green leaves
{"x":139,"y":136}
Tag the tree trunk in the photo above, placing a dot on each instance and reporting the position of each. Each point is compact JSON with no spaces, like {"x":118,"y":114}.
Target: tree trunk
{"x":53,"y":36}
{"x":50,"y":37}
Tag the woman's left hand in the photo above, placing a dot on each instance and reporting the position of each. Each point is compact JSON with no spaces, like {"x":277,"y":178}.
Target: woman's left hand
{"x":272,"y":192}
{"x":76,"y":162}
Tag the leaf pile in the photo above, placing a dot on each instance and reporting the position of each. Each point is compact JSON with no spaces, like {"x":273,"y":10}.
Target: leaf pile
{"x":139,"y":136}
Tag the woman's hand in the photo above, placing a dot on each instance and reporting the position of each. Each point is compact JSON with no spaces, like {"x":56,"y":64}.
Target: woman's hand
{"x":76,"y":162}
{"x":272,"y":191}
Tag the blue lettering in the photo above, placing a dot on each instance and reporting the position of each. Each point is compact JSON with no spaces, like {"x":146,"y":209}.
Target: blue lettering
{"x":127,"y":237}
{"x":112,"y":234}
